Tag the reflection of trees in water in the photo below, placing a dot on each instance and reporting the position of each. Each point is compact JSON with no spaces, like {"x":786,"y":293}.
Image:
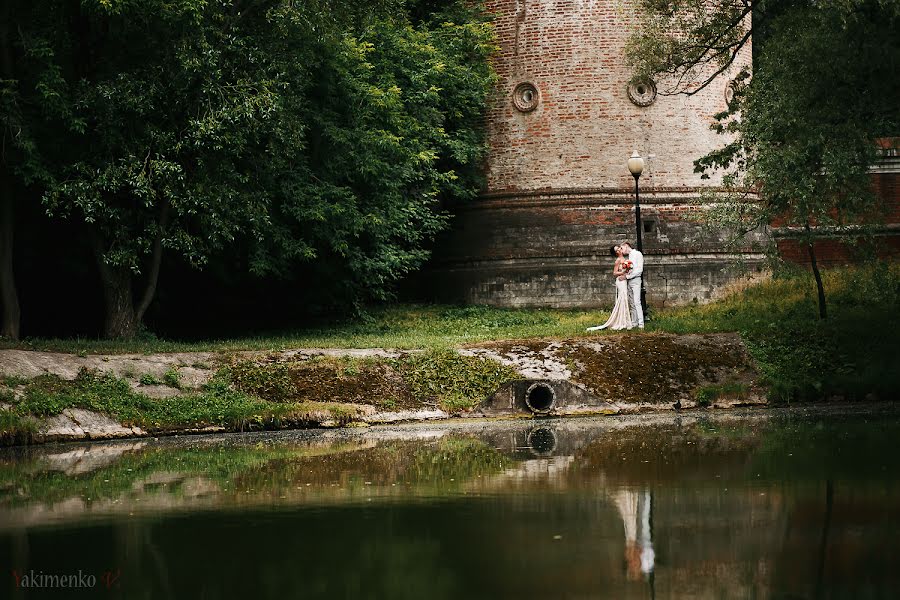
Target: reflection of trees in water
{"x":713,"y":512}
{"x":59,"y":486}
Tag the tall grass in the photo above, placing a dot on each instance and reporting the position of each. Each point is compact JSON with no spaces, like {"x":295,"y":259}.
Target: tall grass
{"x":851,"y":354}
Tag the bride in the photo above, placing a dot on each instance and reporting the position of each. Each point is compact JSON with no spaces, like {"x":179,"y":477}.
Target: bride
{"x":621,"y":315}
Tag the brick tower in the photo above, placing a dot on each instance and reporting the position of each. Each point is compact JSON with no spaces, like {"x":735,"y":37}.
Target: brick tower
{"x":563,"y":121}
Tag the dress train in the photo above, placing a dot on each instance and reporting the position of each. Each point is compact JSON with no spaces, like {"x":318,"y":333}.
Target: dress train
{"x":620,"y":318}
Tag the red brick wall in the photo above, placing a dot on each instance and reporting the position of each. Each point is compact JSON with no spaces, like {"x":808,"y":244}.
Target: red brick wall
{"x":887,"y":186}
{"x":585,"y":127}
{"x":834,"y":251}
{"x":558,"y":189}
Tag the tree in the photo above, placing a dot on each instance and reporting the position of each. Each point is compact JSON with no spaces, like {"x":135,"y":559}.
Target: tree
{"x":15,"y":150}
{"x":322,"y":132}
{"x":804,"y":127}
{"x":394,"y":133}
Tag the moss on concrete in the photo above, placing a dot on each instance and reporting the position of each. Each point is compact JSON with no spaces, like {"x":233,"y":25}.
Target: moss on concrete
{"x":655,"y":368}
{"x":433,"y":378}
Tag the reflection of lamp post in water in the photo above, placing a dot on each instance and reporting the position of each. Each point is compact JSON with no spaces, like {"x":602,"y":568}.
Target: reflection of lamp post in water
{"x":636,"y":167}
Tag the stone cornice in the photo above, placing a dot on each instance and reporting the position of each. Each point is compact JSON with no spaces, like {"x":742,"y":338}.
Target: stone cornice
{"x":837,"y":231}
{"x":514,"y":260}
{"x":890,"y":163}
{"x":587,"y":197}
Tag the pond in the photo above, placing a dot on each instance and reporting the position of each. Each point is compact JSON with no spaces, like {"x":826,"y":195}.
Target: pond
{"x":783,"y":503}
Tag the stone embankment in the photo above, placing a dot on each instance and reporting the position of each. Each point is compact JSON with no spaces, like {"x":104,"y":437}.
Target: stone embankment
{"x":608,"y":374}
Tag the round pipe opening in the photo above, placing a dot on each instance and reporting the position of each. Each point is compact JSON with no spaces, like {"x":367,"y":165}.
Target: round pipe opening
{"x":542,"y":441}
{"x":540,"y":397}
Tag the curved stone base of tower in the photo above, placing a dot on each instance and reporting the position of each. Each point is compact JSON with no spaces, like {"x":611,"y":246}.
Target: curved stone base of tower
{"x":551,"y":249}
{"x":565,"y":117}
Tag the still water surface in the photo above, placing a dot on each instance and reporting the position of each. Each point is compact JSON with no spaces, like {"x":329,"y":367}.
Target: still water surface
{"x":756,"y":504}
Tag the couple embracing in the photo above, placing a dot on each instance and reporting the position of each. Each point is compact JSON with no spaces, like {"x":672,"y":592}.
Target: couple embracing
{"x":628,"y":269}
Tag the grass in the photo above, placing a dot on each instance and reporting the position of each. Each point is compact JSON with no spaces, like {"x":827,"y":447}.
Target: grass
{"x":407,"y":326}
{"x":266,"y":394}
{"x":708,"y":394}
{"x":853,"y":354}
{"x":436,"y":377}
{"x":864,"y":297}
{"x":217,"y":404}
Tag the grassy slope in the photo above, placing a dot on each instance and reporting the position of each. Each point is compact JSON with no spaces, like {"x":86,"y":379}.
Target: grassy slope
{"x":861,"y":301}
{"x":853,"y":354}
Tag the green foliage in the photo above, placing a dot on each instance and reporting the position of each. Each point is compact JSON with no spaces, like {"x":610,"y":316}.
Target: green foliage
{"x":329,"y":135}
{"x":271,"y":380}
{"x":13,"y":380}
{"x":217,"y":405}
{"x":688,"y":40}
{"x":802,"y":132}
{"x":457,"y":382}
{"x":16,"y":428}
{"x":149,"y":379}
{"x":437,"y":376}
{"x":852,"y":355}
{"x":708,"y":394}
{"x":392,"y":133}
{"x":822,"y":92}
{"x":172,"y":378}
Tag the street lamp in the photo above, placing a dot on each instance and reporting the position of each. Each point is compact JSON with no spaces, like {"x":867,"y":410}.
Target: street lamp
{"x":636,"y":166}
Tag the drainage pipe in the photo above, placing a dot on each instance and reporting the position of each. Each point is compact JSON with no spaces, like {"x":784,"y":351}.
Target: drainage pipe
{"x":540,"y":398}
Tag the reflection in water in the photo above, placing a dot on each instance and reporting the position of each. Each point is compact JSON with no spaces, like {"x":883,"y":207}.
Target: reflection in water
{"x":542,"y":441}
{"x":769,"y":505}
{"x":635,"y":510}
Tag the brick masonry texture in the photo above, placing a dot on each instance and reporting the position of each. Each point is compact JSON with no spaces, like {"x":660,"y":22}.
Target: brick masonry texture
{"x":558,"y":193}
{"x":831,"y":251}
{"x":585,"y":127}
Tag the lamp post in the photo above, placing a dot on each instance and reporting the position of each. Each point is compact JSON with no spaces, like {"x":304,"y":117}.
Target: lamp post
{"x":636,"y":167}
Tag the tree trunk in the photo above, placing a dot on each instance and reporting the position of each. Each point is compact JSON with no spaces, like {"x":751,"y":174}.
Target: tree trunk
{"x":8,"y":293}
{"x":9,"y":296}
{"x":823,"y":546}
{"x":815,"y":267}
{"x":121,"y":320}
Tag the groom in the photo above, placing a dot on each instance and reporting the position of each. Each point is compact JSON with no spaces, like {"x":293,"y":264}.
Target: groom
{"x":634,"y":283}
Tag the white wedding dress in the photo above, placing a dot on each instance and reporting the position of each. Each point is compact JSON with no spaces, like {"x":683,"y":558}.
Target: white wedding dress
{"x":621,"y":315}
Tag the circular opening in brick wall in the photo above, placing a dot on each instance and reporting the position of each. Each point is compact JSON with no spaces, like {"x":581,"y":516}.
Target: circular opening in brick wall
{"x":642,"y":92}
{"x":729,"y":93}
{"x":540,"y":397}
{"x":525,"y":97}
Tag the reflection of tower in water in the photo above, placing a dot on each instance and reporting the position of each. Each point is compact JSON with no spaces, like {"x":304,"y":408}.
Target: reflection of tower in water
{"x":634,"y":507}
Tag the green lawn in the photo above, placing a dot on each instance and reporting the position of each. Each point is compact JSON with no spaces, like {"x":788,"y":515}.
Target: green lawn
{"x":861,"y":301}
{"x":853,"y":354}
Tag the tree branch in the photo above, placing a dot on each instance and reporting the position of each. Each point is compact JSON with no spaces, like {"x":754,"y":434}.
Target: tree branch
{"x":734,"y":52}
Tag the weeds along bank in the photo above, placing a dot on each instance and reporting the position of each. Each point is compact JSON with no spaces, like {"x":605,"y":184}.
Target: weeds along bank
{"x":455,"y":357}
{"x":99,"y":397}
{"x":233,"y":393}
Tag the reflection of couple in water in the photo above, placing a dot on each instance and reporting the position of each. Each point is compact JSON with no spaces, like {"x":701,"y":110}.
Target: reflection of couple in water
{"x":635,"y":510}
